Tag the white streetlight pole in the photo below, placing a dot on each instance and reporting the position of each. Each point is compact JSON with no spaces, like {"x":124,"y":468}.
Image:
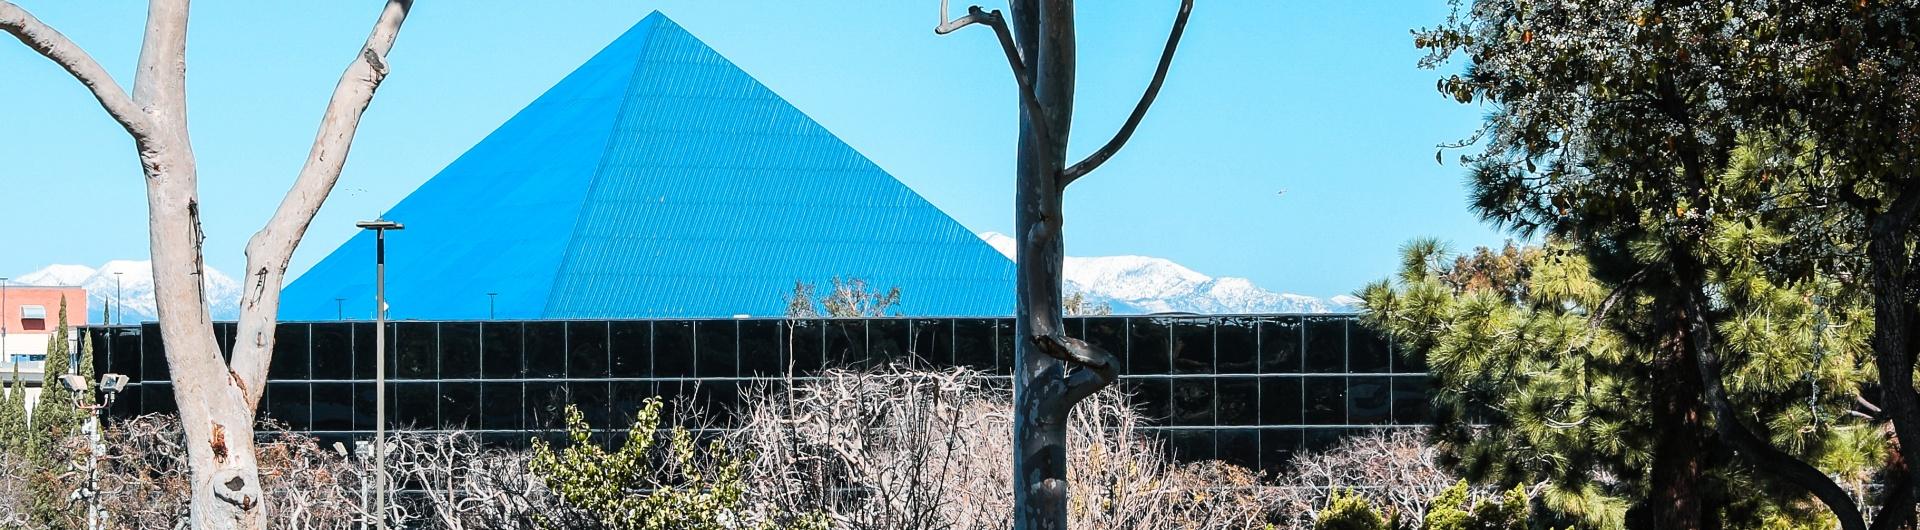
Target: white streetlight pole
{"x":380,"y":228}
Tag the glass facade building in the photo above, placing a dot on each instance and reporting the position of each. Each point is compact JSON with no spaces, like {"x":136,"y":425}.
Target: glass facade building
{"x":1249,"y":389}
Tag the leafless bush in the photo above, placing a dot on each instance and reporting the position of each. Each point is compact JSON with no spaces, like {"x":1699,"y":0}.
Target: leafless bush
{"x":1395,"y":468}
{"x":905,"y":449}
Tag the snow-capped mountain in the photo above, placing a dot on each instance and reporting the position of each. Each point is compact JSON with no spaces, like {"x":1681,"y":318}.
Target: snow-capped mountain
{"x":135,"y":288}
{"x":1142,"y":284}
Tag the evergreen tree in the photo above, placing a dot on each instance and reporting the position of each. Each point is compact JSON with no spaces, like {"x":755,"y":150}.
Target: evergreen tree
{"x":53,"y":420}
{"x":13,"y":417}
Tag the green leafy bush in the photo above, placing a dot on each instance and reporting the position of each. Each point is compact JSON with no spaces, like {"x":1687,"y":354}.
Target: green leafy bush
{"x":1454,"y":509}
{"x":688,"y":489}
{"x":1349,"y":511}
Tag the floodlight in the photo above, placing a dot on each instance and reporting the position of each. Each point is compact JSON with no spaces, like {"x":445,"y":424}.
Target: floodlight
{"x":74,"y":382}
{"x":113,"y":383}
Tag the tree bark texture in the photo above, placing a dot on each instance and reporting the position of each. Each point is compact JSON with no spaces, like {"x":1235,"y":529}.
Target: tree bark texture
{"x":1052,"y":372}
{"x":216,"y":397}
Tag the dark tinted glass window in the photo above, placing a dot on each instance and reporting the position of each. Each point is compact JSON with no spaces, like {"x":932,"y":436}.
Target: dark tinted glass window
{"x":1367,"y":350}
{"x":1236,"y":346}
{"x":1003,"y":346}
{"x":1108,"y":333}
{"x":1280,"y":344}
{"x":333,"y":406}
{"x":846,"y":342}
{"x":291,"y":404}
{"x":1192,"y":445}
{"x":1240,"y":447}
{"x":157,"y":397}
{"x":1193,"y":346}
{"x":417,"y":352}
{"x":1369,"y":400}
{"x":153,"y":354}
{"x":460,"y":350}
{"x":1280,"y":400}
{"x":933,"y":341}
{"x":223,"y":339}
{"x":887,"y":340}
{"x":1326,"y":345}
{"x":1410,"y":400}
{"x":586,"y":349}
{"x":1277,"y":447}
{"x":459,"y":405}
{"x":1408,"y":361}
{"x":500,"y":351}
{"x":500,"y":406}
{"x":806,"y":338}
{"x":973,"y":344}
{"x":591,"y":397}
{"x":1193,"y":401}
{"x":673,"y":348}
{"x":332,"y":352}
{"x":1153,"y":396}
{"x":128,"y":405}
{"x":545,"y":349}
{"x":626,"y":399}
{"x":717,"y":398}
{"x":364,"y":403}
{"x":761,"y":344}
{"x":415,"y":405}
{"x":1147,"y":346}
{"x":290,"y":353}
{"x":125,"y":343}
{"x":1326,"y":400}
{"x":1239,"y":401}
{"x":363,"y":349}
{"x":631,"y":343}
{"x":719,"y":346}
{"x":546,"y":405}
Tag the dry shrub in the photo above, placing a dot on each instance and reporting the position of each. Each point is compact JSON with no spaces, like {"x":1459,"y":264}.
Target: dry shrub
{"x":916,"y":449}
{"x":1395,"y":469}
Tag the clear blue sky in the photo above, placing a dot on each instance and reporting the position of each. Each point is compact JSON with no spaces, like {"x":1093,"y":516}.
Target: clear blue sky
{"x":1318,"y":98}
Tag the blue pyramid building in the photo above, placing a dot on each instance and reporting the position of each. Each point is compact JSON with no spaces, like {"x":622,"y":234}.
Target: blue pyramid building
{"x":657,"y":180}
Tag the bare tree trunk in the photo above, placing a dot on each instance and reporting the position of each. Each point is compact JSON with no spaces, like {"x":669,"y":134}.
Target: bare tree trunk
{"x":1052,"y":372}
{"x":216,"y":398}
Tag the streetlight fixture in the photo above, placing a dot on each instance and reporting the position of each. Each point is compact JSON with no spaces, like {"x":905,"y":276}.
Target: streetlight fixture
{"x":339,"y":309}
{"x":3,"y":320}
{"x":110,"y":386}
{"x":490,"y":297}
{"x":380,"y":228}
{"x":119,"y":303}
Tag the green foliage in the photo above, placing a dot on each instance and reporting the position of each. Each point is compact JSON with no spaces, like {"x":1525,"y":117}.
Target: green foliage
{"x":641,"y":486}
{"x":1347,"y":510}
{"x":13,"y":417}
{"x":1455,"y":509}
{"x":54,"y":420}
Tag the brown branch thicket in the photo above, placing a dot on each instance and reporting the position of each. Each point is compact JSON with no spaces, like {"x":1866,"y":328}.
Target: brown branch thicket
{"x":902,"y":449}
{"x":1395,"y":469}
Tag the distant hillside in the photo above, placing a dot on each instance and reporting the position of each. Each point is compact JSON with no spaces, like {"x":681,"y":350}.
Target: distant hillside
{"x":1142,"y":284}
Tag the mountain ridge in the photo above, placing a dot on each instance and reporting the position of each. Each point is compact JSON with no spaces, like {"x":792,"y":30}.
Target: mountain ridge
{"x":1144,"y":284}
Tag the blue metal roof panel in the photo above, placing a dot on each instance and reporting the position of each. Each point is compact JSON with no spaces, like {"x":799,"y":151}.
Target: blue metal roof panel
{"x":658,"y":180}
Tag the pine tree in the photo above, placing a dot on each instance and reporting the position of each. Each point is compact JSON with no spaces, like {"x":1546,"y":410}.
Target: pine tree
{"x":53,"y":420}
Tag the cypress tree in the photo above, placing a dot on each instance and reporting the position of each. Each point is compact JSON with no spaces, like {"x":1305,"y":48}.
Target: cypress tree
{"x":13,"y":417}
{"x":54,"y":418}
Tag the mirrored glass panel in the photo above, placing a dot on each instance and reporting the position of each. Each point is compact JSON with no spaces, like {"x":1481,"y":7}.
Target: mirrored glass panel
{"x":1326,"y":400}
{"x":544,"y":350}
{"x":846,"y":342}
{"x":1280,"y":401}
{"x":415,"y":405}
{"x":1239,"y":401}
{"x":887,"y":340}
{"x":1367,"y":350}
{"x":631,"y":342}
{"x":459,"y":350}
{"x":1192,"y":445}
{"x":1148,"y":343}
{"x":1281,"y":340}
{"x":594,"y":402}
{"x":500,"y":406}
{"x":500,"y":351}
{"x":417,"y":351}
{"x":546,"y":405}
{"x":1193,"y":401}
{"x":1003,"y":346}
{"x":333,"y":406}
{"x":290,"y":353}
{"x":1240,"y":447}
{"x":719,"y":346}
{"x":1369,"y":400}
{"x":807,"y":341}
{"x":973,"y":344}
{"x":459,"y":405}
{"x":761,"y":344}
{"x":1277,"y":447}
{"x":1326,"y":345}
{"x":1410,"y":400}
{"x":673,"y":348}
{"x":586,"y":350}
{"x":1236,"y":346}
{"x":332,"y":352}
{"x":1193,"y":346}
{"x":290,"y":404}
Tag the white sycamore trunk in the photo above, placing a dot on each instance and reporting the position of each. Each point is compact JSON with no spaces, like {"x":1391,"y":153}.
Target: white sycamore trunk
{"x":216,"y":398}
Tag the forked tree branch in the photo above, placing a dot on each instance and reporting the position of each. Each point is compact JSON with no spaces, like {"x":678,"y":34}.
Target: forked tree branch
{"x":1089,"y":367}
{"x":272,"y":247}
{"x":54,"y":46}
{"x":1139,"y":111}
{"x":1022,"y":72}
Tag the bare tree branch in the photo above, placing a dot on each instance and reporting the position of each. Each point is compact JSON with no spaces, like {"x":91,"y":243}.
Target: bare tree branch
{"x":56,"y":47}
{"x":272,"y":247}
{"x":1022,"y":72}
{"x":1139,"y":111}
